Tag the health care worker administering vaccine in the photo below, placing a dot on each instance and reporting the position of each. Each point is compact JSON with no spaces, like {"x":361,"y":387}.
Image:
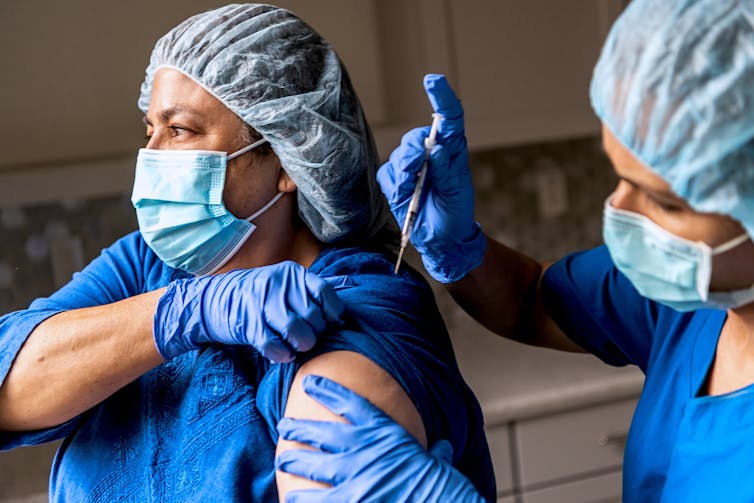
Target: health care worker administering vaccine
{"x":670,"y":291}
{"x":153,"y":363}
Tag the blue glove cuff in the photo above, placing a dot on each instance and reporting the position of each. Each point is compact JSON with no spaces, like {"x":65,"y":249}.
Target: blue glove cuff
{"x":450,"y":262}
{"x":177,"y":318}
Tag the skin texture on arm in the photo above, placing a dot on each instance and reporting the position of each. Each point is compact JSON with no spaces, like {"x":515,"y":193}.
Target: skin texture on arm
{"x":503,"y":294}
{"x":75,"y":359}
{"x":363,"y":376}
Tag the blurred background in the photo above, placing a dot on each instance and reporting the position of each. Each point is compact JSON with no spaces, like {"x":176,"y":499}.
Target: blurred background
{"x":71,"y":129}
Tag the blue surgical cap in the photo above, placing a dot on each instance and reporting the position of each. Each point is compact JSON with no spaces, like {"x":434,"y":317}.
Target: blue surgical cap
{"x":284,"y":80}
{"x":675,"y":85}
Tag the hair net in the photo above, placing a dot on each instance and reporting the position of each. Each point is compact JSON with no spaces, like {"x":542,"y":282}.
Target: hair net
{"x":675,"y":84}
{"x":285,"y":80}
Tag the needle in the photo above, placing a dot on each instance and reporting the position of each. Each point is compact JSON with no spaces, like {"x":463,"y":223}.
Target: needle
{"x":413,"y":206}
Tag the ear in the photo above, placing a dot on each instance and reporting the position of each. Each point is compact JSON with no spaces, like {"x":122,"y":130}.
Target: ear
{"x":285,"y":183}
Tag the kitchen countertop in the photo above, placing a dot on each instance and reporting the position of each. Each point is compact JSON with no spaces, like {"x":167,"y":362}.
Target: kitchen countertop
{"x":513,"y":381}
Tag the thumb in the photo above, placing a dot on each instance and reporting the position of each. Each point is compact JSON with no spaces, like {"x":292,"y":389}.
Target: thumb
{"x":441,"y":172}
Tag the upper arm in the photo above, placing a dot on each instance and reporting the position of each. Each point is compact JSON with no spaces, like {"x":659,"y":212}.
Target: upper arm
{"x":504,"y":295}
{"x":363,"y":376}
{"x":549,"y":334}
{"x":599,"y":308}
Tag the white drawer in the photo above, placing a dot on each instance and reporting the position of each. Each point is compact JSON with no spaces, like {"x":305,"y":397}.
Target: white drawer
{"x":498,"y":439}
{"x":603,"y":489}
{"x":573,"y":443}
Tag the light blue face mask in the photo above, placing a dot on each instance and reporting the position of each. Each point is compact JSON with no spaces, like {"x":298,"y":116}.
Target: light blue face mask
{"x":667,"y":268}
{"x":178,"y":196}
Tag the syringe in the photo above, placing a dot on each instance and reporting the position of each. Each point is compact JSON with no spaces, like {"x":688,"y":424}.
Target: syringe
{"x":413,"y":205}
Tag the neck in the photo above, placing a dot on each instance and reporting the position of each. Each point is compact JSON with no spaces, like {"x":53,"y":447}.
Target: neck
{"x":733,"y":365}
{"x":741,"y":321}
{"x":280,"y":235}
{"x":737,"y":337}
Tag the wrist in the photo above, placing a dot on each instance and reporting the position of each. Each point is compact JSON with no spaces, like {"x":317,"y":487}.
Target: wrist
{"x":177,"y":316}
{"x":451,"y":262}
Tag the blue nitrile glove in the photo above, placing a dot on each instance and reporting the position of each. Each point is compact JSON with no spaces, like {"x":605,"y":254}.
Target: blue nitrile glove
{"x":450,"y":242}
{"x":277,"y":309}
{"x":371,"y":459}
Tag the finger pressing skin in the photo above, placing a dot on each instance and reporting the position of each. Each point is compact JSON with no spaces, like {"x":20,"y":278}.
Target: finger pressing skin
{"x":323,"y":435}
{"x":341,"y":400}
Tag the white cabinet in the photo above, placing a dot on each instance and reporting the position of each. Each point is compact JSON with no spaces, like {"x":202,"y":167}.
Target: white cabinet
{"x":523,"y":67}
{"x":572,"y":443}
{"x":569,"y":457}
{"x":498,"y":439}
{"x":601,"y":489}
{"x":69,"y":93}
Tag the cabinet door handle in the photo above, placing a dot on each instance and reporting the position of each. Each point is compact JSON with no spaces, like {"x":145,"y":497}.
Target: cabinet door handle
{"x":613,"y":439}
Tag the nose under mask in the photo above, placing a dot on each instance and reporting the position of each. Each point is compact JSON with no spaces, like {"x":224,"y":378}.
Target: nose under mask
{"x":178,"y":199}
{"x":667,"y":268}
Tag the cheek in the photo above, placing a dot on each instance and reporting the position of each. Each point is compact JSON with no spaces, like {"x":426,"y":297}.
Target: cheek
{"x":247,"y":187}
{"x":711,"y":229}
{"x":685,"y":224}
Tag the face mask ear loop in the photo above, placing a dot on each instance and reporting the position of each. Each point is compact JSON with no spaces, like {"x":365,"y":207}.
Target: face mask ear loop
{"x":731,"y":244}
{"x":265,"y":207}
{"x":247,"y":148}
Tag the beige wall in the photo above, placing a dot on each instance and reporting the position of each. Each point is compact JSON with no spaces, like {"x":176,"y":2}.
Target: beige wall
{"x":70,"y":70}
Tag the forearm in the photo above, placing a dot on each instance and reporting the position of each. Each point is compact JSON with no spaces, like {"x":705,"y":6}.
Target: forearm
{"x":503,"y":295}
{"x":76,"y":359}
{"x":500,"y":291}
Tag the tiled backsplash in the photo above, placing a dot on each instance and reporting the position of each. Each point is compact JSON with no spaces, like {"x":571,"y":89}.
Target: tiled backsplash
{"x":544,"y":199}
{"x":41,"y":246}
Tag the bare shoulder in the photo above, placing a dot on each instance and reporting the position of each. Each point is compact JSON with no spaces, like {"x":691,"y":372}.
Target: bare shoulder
{"x":360,"y":374}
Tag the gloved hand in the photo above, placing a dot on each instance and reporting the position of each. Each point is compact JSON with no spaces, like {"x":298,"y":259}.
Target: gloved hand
{"x":277,"y":309}
{"x":450,"y":242}
{"x":371,"y":459}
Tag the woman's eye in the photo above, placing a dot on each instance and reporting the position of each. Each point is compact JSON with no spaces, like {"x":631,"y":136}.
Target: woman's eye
{"x":666,"y":207}
{"x":179,"y":130}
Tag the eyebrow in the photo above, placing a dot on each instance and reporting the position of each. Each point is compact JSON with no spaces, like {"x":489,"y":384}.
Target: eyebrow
{"x":666,"y":196}
{"x":169,"y":112}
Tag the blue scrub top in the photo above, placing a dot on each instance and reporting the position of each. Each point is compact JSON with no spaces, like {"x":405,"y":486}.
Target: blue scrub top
{"x":202,"y":427}
{"x":682,"y":447}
